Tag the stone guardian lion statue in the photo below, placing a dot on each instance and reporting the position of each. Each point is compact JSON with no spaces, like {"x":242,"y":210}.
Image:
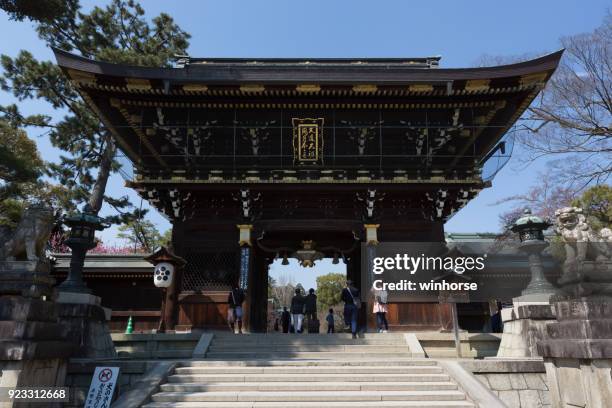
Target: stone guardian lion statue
{"x":28,"y":240}
{"x":581,"y":242}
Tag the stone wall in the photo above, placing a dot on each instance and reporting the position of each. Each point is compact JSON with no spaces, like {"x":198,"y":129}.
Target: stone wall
{"x":518,"y":383}
{"x":518,"y":390}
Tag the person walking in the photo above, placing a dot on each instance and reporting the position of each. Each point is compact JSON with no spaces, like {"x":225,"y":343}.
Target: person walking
{"x":235,"y":299}
{"x":352,"y":304}
{"x":330,"y":321}
{"x":285,"y":319}
{"x":310,"y":311}
{"x":297,"y":310}
{"x":380,"y":309}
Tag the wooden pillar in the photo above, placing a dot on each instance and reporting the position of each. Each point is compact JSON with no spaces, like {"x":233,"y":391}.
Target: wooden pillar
{"x":169,"y":267}
{"x":353,"y":273}
{"x":371,"y":243}
{"x":169,"y":306}
{"x":258,"y":292}
{"x":170,"y":301}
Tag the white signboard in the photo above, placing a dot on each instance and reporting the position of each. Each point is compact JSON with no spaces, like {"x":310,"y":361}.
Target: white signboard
{"x":102,"y":386}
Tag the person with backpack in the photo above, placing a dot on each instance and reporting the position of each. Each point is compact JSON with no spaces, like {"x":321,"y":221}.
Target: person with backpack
{"x":235,"y":299}
{"x":380,"y":310}
{"x":297,"y":310}
{"x":352,"y":304}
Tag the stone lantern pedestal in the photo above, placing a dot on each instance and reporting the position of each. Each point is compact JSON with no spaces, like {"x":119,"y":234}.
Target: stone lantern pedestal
{"x":85,"y":320}
{"x":525,"y":326}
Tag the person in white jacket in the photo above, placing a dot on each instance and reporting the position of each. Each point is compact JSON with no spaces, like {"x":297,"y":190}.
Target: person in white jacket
{"x":380,"y":309}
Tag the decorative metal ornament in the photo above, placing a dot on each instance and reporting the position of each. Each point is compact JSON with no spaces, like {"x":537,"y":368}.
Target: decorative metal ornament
{"x":371,"y":233}
{"x":371,"y":207}
{"x":307,"y":141}
{"x":308,"y":255}
{"x":245,"y":234}
{"x":247,"y":201}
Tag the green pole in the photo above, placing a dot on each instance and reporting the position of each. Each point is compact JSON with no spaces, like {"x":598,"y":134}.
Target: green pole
{"x":130,"y":326}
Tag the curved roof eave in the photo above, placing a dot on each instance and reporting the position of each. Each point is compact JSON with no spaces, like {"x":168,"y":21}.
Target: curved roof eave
{"x":306,"y":73}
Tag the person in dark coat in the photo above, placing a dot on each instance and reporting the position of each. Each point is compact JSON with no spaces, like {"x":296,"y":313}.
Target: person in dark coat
{"x":297,"y":310}
{"x":350,"y":297}
{"x":310,"y":304}
{"x":285,"y":320}
{"x":310,"y":308}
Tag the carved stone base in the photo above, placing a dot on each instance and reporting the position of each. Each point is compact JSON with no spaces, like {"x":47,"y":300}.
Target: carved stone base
{"x":26,"y":278}
{"x":86,"y":321}
{"x":524,"y":326}
{"x":33,"y":346}
{"x":29,"y":330}
{"x":578,"y":353}
{"x":587,"y":278}
{"x":583,"y":330}
{"x":32,"y":373}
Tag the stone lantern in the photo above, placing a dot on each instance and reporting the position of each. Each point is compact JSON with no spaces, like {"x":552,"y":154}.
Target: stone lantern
{"x":166,"y":275}
{"x":530,"y":229}
{"x":83,"y":227}
{"x":79,"y":311}
{"x":525,"y":322}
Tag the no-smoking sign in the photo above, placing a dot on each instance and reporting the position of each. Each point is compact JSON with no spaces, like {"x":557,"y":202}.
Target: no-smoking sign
{"x":105,"y":375}
{"x":102,"y":387}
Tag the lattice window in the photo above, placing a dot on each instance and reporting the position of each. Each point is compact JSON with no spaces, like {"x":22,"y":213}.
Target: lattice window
{"x":210,"y":271}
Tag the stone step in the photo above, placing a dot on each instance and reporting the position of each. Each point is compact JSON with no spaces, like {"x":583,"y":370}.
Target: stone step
{"x":178,"y":353}
{"x":311,"y":370}
{"x":370,"y":362}
{"x":251,"y":336}
{"x":246,"y":355}
{"x":299,"y":343}
{"x":310,"y":386}
{"x":447,"y":352}
{"x":328,"y":404}
{"x":322,"y":396}
{"x":348,"y":377}
{"x":368,"y":348}
{"x":308,"y":371}
{"x":305,"y":339}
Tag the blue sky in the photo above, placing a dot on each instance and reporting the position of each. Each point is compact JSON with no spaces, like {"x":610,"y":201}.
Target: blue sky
{"x":459,"y":31}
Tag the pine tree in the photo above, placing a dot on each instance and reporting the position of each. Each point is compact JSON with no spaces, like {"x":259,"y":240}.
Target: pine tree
{"x":117,"y":33}
{"x":141,"y":234}
{"x":329,"y":289}
{"x":20,"y":166}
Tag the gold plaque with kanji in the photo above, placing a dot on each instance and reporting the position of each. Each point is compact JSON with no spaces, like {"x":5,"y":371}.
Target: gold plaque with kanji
{"x":308,"y":141}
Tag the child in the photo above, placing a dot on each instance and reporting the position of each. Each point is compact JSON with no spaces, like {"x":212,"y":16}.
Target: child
{"x":330,"y":321}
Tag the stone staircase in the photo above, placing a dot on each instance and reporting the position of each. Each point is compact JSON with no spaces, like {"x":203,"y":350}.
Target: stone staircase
{"x":226,"y":346}
{"x":300,"y":371}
